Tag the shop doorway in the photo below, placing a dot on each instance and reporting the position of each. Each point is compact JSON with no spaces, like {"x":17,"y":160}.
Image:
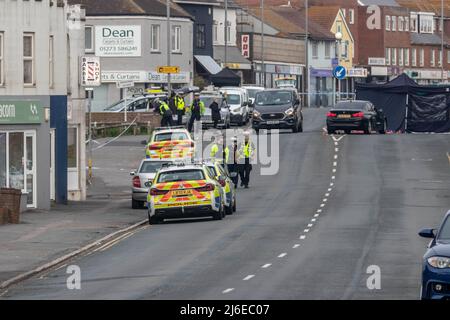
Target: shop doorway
{"x":18,"y":163}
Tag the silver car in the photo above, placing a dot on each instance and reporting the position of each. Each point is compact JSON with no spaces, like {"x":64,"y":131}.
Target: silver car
{"x":142,"y":181}
{"x":207,"y":122}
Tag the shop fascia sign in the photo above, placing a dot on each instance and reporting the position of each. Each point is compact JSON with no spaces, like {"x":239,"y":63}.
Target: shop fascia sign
{"x":377,"y":61}
{"x":182,"y":77}
{"x":21,"y":112}
{"x":143,"y":77}
{"x":357,"y":73}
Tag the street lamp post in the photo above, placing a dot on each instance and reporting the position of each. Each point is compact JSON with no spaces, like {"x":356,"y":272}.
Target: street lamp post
{"x":307,"y":82}
{"x":442,"y":41}
{"x":169,"y":86}
{"x":226,"y":34}
{"x":263,"y":69}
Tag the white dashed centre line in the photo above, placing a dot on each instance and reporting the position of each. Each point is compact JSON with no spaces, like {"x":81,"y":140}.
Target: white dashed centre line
{"x":295,"y":246}
{"x":316,"y":215}
{"x":313,"y":220}
{"x":336,"y":149}
{"x":282,"y":255}
{"x":303,"y":237}
{"x":329,"y":190}
{"x":322,"y":205}
{"x":334,"y":170}
{"x":249,"y":277}
{"x":327,"y":195}
{"x":325,"y":200}
{"x":333,"y":178}
{"x":336,"y":157}
{"x":306,"y":230}
{"x":310,"y":225}
{"x":266,"y":266}
{"x":332,"y":184}
{"x":319,"y":211}
{"x":228,"y":290}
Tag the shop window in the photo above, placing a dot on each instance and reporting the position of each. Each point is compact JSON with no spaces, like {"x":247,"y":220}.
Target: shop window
{"x":72,"y":147}
{"x":2,"y":160}
{"x":28,"y":59}
{"x":16,"y":157}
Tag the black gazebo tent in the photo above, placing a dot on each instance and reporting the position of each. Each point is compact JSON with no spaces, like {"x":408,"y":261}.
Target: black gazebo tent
{"x":408,"y":106}
{"x":226,"y":78}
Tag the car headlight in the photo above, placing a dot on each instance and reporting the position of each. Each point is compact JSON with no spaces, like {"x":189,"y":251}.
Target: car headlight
{"x":256,"y":114}
{"x":439,"y":262}
{"x":289,"y":112}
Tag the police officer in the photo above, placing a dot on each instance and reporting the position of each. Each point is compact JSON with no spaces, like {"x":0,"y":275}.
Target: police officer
{"x":197,"y":110}
{"x":165,"y":112}
{"x":218,"y":152}
{"x":233,"y":163}
{"x":181,"y":108}
{"x":246,"y":152}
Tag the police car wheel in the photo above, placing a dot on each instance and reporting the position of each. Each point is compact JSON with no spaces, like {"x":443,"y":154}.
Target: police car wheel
{"x":229,"y":210}
{"x":154,"y":220}
{"x":218,"y":215}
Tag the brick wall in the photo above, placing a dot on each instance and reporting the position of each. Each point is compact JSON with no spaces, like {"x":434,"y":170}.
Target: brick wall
{"x":112,"y":118}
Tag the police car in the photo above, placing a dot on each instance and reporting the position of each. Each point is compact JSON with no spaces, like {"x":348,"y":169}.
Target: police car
{"x":223,"y":177}
{"x":170,"y":143}
{"x":184,"y":191}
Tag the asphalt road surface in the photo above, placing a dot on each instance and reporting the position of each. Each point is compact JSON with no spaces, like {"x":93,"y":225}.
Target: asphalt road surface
{"x":311,"y":232}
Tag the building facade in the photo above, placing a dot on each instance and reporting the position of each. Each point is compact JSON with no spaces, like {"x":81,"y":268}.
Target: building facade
{"x":132,"y":41}
{"x":34,"y":94}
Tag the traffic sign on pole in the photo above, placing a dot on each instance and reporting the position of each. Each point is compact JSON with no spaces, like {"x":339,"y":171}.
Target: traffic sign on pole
{"x":340,"y":72}
{"x":168,"y":69}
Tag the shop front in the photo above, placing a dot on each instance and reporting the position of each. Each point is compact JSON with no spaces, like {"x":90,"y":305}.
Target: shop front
{"x":274,"y":70}
{"x":322,"y":87}
{"x":25,"y":150}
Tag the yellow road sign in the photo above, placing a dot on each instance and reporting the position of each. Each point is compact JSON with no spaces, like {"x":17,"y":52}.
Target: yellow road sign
{"x":168,"y":69}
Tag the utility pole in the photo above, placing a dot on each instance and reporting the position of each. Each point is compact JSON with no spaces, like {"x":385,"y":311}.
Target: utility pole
{"x":90,"y":175}
{"x":442,"y":41}
{"x":226,"y":33}
{"x":169,"y":87}
{"x":306,"y":53}
{"x":263,"y":68}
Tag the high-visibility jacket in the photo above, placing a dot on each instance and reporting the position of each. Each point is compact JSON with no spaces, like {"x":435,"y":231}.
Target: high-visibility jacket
{"x":215,"y":152}
{"x":164,"y":109}
{"x":197,"y":108}
{"x":246,"y":150}
{"x":179,"y":102}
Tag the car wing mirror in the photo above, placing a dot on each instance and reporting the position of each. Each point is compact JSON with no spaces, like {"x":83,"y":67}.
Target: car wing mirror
{"x":133,"y":173}
{"x":427,"y":233}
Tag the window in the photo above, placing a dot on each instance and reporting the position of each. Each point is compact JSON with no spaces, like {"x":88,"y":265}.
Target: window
{"x":414,"y":57}
{"x":394,"y":24}
{"x":51,"y":66}
{"x":414,"y":23}
{"x":315,"y":50}
{"x":327,"y":50}
{"x":2,"y":71}
{"x":400,"y":56}
{"x":388,"y":23}
{"x":422,"y":57}
{"x":228,"y":32}
{"x":28,"y":59}
{"x":407,"y":57}
{"x":406,"y":24}
{"x":433,"y":58}
{"x":346,"y":47}
{"x":176,"y":38}
{"x":448,"y":56}
{"x":388,"y":56}
{"x":394,"y":57}
{"x":89,"y":39}
{"x":72,"y":147}
{"x":215,"y":32}
{"x":201,"y":36}
{"x":440,"y":58}
{"x":155,"y":37}
{"x":351,"y":13}
{"x":344,"y":12}
{"x":400,"y":23}
{"x":426,"y":24}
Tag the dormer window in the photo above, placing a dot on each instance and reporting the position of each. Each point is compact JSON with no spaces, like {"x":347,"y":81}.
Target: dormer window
{"x":426,"y":23}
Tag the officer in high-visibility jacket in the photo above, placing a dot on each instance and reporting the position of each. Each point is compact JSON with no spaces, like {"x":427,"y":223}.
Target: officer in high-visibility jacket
{"x":181,"y":108}
{"x":247,"y":152}
{"x":165,"y":112}
{"x":218,"y":152}
{"x":197,"y":110}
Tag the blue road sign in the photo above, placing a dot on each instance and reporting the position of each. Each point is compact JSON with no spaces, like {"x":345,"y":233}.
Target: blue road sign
{"x":340,"y":72}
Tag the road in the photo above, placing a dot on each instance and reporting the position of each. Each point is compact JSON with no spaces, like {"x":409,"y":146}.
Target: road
{"x":310,"y":232}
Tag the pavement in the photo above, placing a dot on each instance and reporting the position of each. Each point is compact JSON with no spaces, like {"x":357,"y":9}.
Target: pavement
{"x":338,"y":206}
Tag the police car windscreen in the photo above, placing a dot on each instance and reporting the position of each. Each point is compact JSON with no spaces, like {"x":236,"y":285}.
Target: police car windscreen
{"x":152,"y":166}
{"x":273,"y":98}
{"x":181,"y":175}
{"x":170,"y":136}
{"x":445,"y":231}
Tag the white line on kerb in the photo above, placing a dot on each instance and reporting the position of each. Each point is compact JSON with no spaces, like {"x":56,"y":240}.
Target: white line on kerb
{"x":282,"y":255}
{"x":295,"y":246}
{"x":228,"y":290}
{"x":267,"y":265}
{"x":248,"y":277}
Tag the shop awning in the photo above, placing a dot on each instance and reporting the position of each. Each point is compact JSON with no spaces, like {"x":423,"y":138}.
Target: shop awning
{"x":209,"y":64}
{"x":235,"y":60}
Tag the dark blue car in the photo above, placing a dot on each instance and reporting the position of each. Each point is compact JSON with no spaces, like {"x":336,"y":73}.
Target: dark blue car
{"x":436,"y":263}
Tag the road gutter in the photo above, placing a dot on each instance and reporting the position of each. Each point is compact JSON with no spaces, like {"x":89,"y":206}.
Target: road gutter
{"x":21,"y":277}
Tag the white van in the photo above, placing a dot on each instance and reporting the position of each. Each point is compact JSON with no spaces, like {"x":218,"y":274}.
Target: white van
{"x":238,"y":100}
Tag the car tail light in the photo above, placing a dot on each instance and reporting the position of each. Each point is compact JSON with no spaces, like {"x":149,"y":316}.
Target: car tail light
{"x":136,"y":182}
{"x":207,"y":188}
{"x":192,"y":144}
{"x":155,"y":147}
{"x":331,"y":115}
{"x":157,"y":192}
{"x":358,"y":115}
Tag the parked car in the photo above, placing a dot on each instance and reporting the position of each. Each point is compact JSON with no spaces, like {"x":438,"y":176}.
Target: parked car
{"x":237,"y":99}
{"x":142,"y":181}
{"x":356,"y":115}
{"x":252,"y":91}
{"x":278,"y":109}
{"x":436,"y":262}
{"x":208,"y":98}
{"x":140,"y":103}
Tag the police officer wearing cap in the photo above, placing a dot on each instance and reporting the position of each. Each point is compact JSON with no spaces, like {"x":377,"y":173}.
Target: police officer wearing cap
{"x":165,"y":112}
{"x":246,"y":153}
{"x":233,"y":163}
{"x":197,"y":111}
